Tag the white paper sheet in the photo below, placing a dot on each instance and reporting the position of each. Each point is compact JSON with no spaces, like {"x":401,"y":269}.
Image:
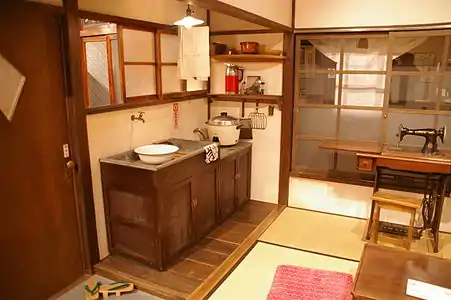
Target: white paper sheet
{"x":11,"y":84}
{"x":427,"y":291}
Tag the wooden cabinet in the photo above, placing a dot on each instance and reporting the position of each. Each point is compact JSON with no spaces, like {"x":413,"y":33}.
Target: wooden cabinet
{"x":235,"y":183}
{"x":153,"y":216}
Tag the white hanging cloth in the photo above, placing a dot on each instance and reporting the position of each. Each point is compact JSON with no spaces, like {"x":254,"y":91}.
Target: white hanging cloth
{"x":194,"y":55}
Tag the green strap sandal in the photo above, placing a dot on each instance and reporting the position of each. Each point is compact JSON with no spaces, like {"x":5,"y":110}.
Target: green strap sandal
{"x":92,"y":288}
{"x":116,"y":288}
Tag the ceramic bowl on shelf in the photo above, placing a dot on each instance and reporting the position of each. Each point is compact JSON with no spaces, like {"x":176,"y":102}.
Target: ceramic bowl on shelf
{"x":156,"y":154}
{"x":249,"y":47}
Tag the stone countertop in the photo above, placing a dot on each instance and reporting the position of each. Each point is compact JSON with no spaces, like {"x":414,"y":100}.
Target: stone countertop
{"x":188,"y":148}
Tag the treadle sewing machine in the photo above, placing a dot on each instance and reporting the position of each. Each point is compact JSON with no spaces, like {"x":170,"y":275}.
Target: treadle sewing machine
{"x":430,"y":135}
{"x":428,"y":165}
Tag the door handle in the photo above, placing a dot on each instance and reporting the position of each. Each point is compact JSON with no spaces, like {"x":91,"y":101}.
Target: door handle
{"x":70,"y":168}
{"x":70,"y":165}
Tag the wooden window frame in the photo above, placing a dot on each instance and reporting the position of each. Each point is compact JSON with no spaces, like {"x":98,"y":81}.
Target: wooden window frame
{"x":357,"y":178}
{"x":142,"y":100}
{"x":101,"y":38}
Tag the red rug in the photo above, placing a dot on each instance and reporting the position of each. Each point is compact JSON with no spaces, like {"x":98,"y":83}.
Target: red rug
{"x":297,"y":283}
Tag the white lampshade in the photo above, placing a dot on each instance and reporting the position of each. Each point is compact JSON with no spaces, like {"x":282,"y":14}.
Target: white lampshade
{"x":189,"y":21}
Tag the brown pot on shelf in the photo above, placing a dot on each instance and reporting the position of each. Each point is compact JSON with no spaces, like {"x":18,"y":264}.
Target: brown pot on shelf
{"x":249,"y":47}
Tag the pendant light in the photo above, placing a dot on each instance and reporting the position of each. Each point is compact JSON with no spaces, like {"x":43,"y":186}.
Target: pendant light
{"x":189,"y":21}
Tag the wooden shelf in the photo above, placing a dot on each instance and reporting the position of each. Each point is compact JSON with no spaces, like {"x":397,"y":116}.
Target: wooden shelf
{"x":268,"y":99}
{"x":248,"y":58}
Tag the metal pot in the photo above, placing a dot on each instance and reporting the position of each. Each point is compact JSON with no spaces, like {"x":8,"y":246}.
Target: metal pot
{"x":224,"y":129}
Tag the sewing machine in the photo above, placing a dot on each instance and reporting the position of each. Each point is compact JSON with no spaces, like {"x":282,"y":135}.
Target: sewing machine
{"x":430,"y":135}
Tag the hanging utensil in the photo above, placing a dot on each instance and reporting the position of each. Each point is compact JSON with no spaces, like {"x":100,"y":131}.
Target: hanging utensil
{"x":258,"y":119}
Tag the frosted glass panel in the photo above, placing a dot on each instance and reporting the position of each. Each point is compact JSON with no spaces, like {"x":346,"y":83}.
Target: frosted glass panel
{"x":363,"y":90}
{"x":97,"y":66}
{"x":413,"y":92}
{"x":140,"y":80}
{"x":310,"y":157}
{"x":445,"y":121}
{"x":409,"y":120}
{"x":171,"y":83}
{"x":317,"y":121}
{"x":139,"y":46}
{"x":318,"y":88}
{"x":361,"y":125}
{"x":170,"y":45}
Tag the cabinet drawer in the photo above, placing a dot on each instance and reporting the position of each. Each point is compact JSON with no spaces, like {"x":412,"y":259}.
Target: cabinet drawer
{"x":365,"y":163}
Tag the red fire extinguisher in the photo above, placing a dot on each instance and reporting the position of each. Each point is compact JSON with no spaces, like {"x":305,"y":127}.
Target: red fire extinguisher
{"x":233,"y":77}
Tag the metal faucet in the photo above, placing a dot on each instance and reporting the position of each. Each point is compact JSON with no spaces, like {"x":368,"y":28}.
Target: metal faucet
{"x":139,"y":117}
{"x":202,"y":135}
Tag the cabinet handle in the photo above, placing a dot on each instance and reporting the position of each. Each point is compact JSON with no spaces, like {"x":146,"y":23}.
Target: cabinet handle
{"x":195,"y":202}
{"x":237,"y":176}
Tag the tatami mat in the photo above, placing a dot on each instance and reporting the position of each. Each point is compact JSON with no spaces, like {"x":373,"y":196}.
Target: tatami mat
{"x":332,"y":235}
{"x":252,"y":279}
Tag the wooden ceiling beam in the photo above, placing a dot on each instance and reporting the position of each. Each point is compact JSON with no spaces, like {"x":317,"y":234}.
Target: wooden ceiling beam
{"x":227,"y":9}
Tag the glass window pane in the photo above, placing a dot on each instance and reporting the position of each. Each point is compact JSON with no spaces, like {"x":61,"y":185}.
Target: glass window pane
{"x":412,"y":121}
{"x":445,"y":93}
{"x":318,"y":88}
{"x":413,"y":92}
{"x":309,"y":123}
{"x":116,"y":73}
{"x":415,"y":54}
{"x":445,"y":120}
{"x":310,"y":157}
{"x":140,"y":80}
{"x":365,"y":54}
{"x":138,"y":46}
{"x":170,"y":45}
{"x":319,"y":55}
{"x":171,"y":82}
{"x":363,"y":90}
{"x":97,"y":67}
{"x":360,"y":125}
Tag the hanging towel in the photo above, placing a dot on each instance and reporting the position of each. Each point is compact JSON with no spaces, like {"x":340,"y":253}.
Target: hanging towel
{"x":211,"y":153}
{"x":194,"y":54}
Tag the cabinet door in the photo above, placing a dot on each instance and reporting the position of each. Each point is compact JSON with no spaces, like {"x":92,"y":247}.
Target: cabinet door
{"x":227,"y":187}
{"x":204,"y":201}
{"x":243,"y":178}
{"x":176,"y":219}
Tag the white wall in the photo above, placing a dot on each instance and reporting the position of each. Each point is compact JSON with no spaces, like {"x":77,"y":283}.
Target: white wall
{"x":350,"y":200}
{"x":275,"y":10}
{"x":352,"y":13}
{"x":266,"y":143}
{"x":112,"y":133}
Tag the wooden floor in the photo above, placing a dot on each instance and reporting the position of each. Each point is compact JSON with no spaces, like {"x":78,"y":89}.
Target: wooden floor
{"x":179,"y":281}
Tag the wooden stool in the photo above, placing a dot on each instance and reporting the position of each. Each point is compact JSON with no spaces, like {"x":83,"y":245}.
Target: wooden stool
{"x":393,"y":202}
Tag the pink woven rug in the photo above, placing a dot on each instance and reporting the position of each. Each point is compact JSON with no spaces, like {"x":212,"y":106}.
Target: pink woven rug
{"x":297,"y":283}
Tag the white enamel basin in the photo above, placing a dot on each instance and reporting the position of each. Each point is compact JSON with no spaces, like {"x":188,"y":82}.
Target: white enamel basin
{"x":156,"y":154}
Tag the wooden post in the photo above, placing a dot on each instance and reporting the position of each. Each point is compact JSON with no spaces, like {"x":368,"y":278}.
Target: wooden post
{"x":78,"y":135}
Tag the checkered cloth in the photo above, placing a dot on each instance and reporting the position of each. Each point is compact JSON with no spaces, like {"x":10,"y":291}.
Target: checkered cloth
{"x":298,"y":283}
{"x":211,"y":153}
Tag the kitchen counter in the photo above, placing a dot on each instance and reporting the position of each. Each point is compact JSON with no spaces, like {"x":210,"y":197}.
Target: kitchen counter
{"x":188,"y":148}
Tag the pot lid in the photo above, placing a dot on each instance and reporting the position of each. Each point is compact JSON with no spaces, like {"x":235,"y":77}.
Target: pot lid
{"x":223,"y":120}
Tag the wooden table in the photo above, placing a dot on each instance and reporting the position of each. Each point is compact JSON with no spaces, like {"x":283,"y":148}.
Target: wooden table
{"x":436,"y":169}
{"x":383,"y":272}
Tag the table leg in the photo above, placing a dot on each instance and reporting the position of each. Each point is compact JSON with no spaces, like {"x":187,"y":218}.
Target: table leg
{"x":438,"y":212}
{"x":375,"y":189}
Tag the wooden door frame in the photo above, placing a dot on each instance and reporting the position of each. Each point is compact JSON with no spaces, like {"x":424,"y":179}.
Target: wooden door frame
{"x":78,"y":135}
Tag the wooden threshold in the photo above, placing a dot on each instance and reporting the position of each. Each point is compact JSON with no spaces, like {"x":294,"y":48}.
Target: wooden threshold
{"x":202,"y":268}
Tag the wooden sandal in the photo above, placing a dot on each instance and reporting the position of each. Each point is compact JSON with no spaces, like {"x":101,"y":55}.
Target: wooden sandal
{"x":116,"y":288}
{"x":92,"y":289}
